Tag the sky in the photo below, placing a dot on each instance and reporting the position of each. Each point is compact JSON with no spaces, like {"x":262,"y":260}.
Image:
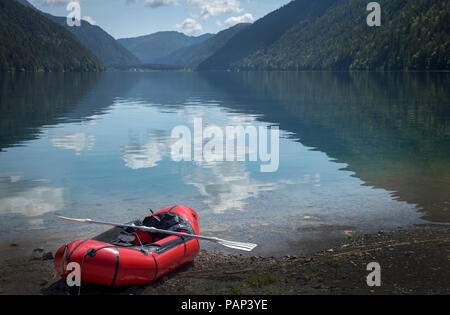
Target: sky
{"x":130,"y":18}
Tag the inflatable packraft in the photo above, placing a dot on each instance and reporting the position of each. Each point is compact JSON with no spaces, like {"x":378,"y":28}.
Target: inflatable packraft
{"x":121,"y":256}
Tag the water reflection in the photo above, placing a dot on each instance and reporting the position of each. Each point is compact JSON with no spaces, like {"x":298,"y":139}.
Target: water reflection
{"x":77,"y":142}
{"x":139,"y":156}
{"x":342,"y":135}
{"x":29,"y":101}
{"x":392,"y":129}
{"x":29,"y":198}
{"x":226,"y":186}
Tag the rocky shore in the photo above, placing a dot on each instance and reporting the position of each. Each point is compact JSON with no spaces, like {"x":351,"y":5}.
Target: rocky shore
{"x":413,"y":261}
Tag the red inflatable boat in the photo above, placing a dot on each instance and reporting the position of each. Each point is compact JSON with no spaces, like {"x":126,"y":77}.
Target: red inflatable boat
{"x":120,"y":256}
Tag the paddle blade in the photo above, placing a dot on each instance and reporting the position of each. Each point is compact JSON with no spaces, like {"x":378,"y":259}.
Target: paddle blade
{"x":80,"y":221}
{"x":248,"y":247}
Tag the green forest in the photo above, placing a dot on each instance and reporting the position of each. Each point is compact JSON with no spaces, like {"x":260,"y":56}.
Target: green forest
{"x":334,"y":35}
{"x":158,"y":47}
{"x":302,"y":35}
{"x":264,"y":32}
{"x":31,"y":42}
{"x":103,"y":45}
{"x":414,"y":36}
{"x":194,"y":55}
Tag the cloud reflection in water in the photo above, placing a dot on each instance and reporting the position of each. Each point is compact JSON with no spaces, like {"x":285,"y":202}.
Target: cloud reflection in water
{"x":30,"y":198}
{"x":77,"y":142}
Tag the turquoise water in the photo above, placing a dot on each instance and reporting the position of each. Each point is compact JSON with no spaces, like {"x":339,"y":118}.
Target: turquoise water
{"x":358,"y":152}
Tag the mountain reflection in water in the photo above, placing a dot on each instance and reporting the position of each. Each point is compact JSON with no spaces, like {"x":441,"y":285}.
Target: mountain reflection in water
{"x":357,"y":150}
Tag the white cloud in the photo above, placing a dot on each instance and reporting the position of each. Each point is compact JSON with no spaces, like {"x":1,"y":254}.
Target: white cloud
{"x":190,"y":26}
{"x":159,"y":3}
{"x":154,"y":4}
{"x":89,"y":20}
{"x":246,"y":18}
{"x":209,"y":8}
{"x":148,"y":3}
{"x":55,"y":3}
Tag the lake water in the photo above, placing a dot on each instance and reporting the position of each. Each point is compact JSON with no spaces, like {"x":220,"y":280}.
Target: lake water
{"x":358,"y":152}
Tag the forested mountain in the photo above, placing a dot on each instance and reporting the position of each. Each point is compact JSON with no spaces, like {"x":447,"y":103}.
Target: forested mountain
{"x":27,"y":4}
{"x":192,"y":56}
{"x":415,"y":35}
{"x":154,"y":48}
{"x":30,"y":42}
{"x":302,"y":35}
{"x":103,"y":45}
{"x":265,"y":32}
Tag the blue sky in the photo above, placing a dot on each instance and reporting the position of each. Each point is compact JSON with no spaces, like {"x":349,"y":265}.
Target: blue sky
{"x":129,"y":18}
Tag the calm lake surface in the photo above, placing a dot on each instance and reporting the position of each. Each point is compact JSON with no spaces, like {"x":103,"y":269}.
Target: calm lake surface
{"x":358,"y":152}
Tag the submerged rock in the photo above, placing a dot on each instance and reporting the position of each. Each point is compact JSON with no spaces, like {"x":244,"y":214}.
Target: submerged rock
{"x":48,"y":256}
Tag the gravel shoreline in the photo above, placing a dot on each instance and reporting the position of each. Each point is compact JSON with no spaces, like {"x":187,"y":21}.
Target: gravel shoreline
{"x":413,"y":261}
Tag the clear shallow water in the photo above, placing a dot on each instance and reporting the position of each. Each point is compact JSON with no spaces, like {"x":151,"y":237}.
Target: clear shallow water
{"x":358,"y":152}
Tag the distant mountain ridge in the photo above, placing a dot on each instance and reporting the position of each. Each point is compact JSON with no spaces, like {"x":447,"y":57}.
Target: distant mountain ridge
{"x":154,"y":48}
{"x":103,"y":45}
{"x":192,"y":56}
{"x":301,"y":35}
{"x":334,"y":35}
{"x":414,"y":35}
{"x":264,"y":32}
{"x":30,"y":42}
